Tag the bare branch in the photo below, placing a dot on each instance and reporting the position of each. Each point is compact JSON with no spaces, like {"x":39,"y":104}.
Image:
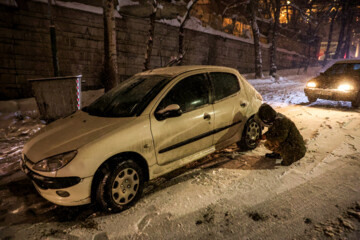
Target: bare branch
{"x":187,"y":13}
{"x":233,"y":5}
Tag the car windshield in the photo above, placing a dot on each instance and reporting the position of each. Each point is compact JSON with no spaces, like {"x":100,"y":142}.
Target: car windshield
{"x":341,"y":68}
{"x":129,"y":98}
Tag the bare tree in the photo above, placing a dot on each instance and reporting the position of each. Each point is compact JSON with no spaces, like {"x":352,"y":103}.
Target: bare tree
{"x":249,"y":9}
{"x":150,"y":41}
{"x":331,"y":29}
{"x":183,"y":20}
{"x":346,"y":49}
{"x":343,"y":18}
{"x":110,"y":71}
{"x":53,"y":40}
{"x":253,"y":7}
{"x":275,"y":29}
{"x":177,"y":60}
{"x":315,"y":16}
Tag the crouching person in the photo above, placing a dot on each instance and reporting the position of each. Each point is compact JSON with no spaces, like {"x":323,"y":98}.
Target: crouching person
{"x":282,"y":137}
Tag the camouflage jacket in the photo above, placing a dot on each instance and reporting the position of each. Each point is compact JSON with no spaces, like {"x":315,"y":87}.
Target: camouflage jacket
{"x":284,"y":131}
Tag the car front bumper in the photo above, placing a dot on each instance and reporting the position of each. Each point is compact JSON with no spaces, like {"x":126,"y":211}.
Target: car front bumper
{"x":331,"y":94}
{"x":74,"y":190}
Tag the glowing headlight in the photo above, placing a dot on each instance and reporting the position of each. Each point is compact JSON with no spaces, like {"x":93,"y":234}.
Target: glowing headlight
{"x":345,"y":87}
{"x":311,"y":84}
{"x":55,"y":162}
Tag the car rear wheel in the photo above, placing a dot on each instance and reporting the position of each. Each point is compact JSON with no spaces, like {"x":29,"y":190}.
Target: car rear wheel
{"x":120,"y":187}
{"x":356,"y":102}
{"x":250,"y":135}
{"x":311,"y":99}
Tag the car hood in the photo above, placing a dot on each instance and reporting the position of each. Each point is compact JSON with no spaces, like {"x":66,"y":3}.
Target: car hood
{"x":70,"y":133}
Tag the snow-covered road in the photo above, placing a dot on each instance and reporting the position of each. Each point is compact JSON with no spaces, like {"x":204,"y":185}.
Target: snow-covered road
{"x":227,"y":195}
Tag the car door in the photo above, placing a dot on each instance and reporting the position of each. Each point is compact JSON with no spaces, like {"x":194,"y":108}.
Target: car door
{"x":190,"y":133}
{"x":230,"y":104}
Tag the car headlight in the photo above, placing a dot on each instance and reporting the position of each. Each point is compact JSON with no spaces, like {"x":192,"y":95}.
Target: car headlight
{"x":345,"y":87}
{"x":311,"y":84}
{"x":56,"y":162}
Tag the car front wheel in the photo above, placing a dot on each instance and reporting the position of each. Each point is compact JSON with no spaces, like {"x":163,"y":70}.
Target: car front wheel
{"x":311,"y":99}
{"x":250,"y":136}
{"x":120,"y":187}
{"x":356,"y":102}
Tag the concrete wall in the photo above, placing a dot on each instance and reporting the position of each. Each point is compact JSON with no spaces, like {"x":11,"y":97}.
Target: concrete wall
{"x":25,"y":50}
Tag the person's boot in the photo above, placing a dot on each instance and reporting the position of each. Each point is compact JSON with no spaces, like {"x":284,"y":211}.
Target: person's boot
{"x":273,"y":155}
{"x":283,"y":163}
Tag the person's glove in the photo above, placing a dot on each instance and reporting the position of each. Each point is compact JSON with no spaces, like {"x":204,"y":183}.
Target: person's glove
{"x":262,"y":137}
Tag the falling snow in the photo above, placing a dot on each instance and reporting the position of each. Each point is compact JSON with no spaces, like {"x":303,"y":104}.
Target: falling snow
{"x":227,"y":195}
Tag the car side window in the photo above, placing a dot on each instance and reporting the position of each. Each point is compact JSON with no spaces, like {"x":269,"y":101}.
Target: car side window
{"x":190,"y":93}
{"x":225,"y":84}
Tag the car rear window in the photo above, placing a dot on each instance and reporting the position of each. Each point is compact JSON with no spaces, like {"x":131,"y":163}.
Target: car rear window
{"x":225,"y":84}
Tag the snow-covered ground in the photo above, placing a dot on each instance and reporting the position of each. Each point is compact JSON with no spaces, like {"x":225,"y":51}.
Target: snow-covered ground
{"x":227,"y":195}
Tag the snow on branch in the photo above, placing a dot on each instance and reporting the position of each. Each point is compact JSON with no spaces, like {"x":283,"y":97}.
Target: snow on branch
{"x":306,"y":17}
{"x":189,"y":6}
{"x":233,"y":5}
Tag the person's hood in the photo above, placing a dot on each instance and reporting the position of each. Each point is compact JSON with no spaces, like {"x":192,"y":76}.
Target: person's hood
{"x":257,"y":118}
{"x":70,"y":133}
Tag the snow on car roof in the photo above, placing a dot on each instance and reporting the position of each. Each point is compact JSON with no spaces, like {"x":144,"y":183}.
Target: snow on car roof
{"x":176,"y":70}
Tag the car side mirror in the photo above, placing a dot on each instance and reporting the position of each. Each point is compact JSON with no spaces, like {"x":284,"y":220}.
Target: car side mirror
{"x":170,"y":111}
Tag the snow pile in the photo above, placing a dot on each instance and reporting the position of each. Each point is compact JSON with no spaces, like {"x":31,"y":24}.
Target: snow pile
{"x":12,"y":139}
{"x":123,"y":3}
{"x":195,"y":24}
{"x":284,"y":91}
{"x":80,"y":6}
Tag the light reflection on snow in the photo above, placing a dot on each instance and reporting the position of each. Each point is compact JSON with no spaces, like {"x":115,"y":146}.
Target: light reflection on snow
{"x":289,"y":90}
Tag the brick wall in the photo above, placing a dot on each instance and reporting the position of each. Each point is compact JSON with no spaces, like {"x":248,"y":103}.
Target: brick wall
{"x":25,"y":50}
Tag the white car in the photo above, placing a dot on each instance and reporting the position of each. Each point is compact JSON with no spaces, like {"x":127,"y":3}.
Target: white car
{"x":147,"y":126}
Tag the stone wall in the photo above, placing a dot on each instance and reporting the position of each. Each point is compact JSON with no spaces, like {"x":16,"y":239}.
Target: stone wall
{"x":25,"y":50}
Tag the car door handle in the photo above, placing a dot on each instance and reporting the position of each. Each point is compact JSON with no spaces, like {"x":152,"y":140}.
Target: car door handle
{"x":207,"y":116}
{"x":243,"y":104}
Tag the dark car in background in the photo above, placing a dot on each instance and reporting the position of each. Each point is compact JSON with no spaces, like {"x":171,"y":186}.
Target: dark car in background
{"x":340,"y":82}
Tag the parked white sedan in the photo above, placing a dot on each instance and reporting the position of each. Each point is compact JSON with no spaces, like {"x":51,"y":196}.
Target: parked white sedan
{"x":147,"y":126}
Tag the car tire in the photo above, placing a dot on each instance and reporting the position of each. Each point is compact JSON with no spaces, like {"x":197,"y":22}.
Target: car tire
{"x":311,"y":99}
{"x":120,"y":186}
{"x":250,"y":136}
{"x":356,"y":102}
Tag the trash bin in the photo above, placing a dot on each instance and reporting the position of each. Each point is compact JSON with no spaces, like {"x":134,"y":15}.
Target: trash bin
{"x":57,"y":97}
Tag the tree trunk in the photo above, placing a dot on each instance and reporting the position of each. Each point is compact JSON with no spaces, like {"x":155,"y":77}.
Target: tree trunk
{"x":344,"y":13}
{"x":181,"y":41}
{"x":327,"y":52}
{"x":110,"y":56}
{"x":346,"y":50}
{"x":256,"y":34}
{"x":275,"y":26}
{"x":181,"y":51}
{"x":55,"y":60}
{"x":150,"y":41}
